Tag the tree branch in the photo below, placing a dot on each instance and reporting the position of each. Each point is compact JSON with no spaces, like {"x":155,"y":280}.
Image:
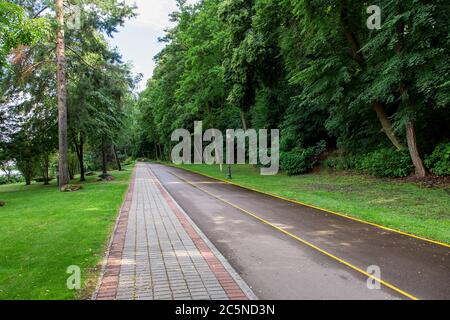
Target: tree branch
{"x":81,"y":58}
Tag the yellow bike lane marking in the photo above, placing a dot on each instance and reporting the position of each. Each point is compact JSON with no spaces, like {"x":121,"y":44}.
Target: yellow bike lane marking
{"x":309,"y":244}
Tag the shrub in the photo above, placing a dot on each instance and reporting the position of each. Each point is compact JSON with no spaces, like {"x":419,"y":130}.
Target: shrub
{"x":128,"y":161}
{"x":341,"y":162}
{"x":27,"y":168}
{"x":300,"y":161}
{"x":439,"y":161}
{"x":42,"y":179}
{"x":385,"y":163}
{"x":13,"y":178}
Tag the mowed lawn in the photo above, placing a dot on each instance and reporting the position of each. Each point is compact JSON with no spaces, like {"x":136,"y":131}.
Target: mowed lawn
{"x":399,"y":205}
{"x":43,"y":232}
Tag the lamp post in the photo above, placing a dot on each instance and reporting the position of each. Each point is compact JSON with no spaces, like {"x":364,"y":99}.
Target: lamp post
{"x":229,"y":176}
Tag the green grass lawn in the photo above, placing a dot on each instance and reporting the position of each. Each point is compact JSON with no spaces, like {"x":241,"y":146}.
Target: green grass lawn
{"x":43,"y":231}
{"x":399,"y":205}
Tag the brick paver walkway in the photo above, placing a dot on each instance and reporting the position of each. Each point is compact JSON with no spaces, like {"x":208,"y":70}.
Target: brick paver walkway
{"x":157,"y":252}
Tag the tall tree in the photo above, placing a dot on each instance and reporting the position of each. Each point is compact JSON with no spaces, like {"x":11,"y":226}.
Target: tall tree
{"x":63,"y":168}
{"x":239,"y":52}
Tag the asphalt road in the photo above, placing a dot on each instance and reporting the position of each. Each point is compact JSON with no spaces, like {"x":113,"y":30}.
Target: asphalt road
{"x":288,"y":251}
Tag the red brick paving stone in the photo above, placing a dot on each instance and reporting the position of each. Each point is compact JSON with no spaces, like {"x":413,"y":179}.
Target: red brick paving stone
{"x":110,"y":278}
{"x":231,"y":288}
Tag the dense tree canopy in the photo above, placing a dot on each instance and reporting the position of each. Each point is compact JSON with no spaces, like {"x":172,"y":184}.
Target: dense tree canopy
{"x":313,"y":69}
{"x":99,"y":87}
{"x":343,"y":94}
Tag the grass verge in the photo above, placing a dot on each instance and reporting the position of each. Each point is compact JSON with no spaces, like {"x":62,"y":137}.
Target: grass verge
{"x":398,"y":205}
{"x":44,"y":231}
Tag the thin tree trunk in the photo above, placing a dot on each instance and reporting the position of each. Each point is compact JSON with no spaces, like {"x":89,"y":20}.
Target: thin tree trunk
{"x":244,"y":121}
{"x":72,"y":169}
{"x":45,"y":166}
{"x":104,"y":161}
{"x":156,"y":151}
{"x":80,"y":155}
{"x":62,"y":98}
{"x":119,"y":166}
{"x":387,"y":125}
{"x":160,"y":152}
{"x":414,"y":151}
{"x":81,"y":159}
{"x":46,"y":182}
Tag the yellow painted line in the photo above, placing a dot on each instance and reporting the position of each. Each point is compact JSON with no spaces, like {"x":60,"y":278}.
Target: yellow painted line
{"x":348,"y":264}
{"x":318,"y":208}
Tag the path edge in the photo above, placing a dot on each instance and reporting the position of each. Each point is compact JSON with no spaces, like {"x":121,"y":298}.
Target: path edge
{"x":122,"y":211}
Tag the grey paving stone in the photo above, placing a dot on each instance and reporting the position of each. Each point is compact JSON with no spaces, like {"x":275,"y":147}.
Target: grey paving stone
{"x":160,"y":261}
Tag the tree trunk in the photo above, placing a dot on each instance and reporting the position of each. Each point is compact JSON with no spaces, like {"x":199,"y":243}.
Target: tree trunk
{"x":414,"y":151}
{"x":160,"y":152}
{"x":45,"y":166}
{"x":420,"y":170}
{"x":119,"y":166}
{"x":81,"y":160}
{"x":244,"y":121}
{"x":104,"y":162}
{"x":62,"y":98}
{"x":46,"y":182}
{"x":387,"y":125}
{"x":79,"y":149}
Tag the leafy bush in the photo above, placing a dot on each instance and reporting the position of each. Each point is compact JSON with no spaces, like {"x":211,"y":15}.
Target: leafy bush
{"x":41,"y":179}
{"x":27,"y":168}
{"x":341,"y":162}
{"x":128,"y":161}
{"x":439,"y":161}
{"x":13,"y":178}
{"x":385,"y":163}
{"x":300,"y":161}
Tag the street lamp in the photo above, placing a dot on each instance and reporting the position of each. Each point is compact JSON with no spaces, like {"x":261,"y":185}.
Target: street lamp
{"x":229,"y":176}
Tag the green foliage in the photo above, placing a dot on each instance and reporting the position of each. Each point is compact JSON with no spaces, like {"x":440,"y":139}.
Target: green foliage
{"x":439,"y":161}
{"x":385,"y":162}
{"x":341,"y":162}
{"x":13,"y":178}
{"x":128,"y":161}
{"x":27,"y":167}
{"x":41,"y":179}
{"x":310,"y":68}
{"x":299,"y":161}
{"x":16,"y":29}
{"x":98,"y":88}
